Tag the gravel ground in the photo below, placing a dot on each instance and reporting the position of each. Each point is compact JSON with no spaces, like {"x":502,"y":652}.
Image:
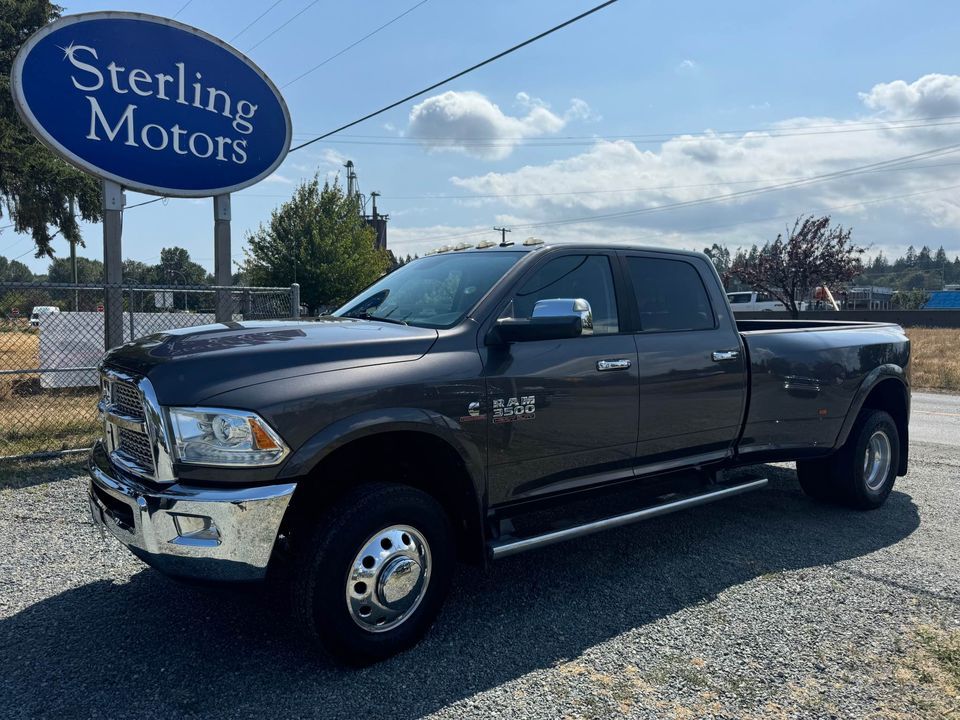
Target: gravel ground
{"x":764,"y":605}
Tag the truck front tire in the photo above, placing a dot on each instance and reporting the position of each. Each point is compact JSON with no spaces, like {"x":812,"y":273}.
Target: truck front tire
{"x":861,"y":474}
{"x":372,"y":575}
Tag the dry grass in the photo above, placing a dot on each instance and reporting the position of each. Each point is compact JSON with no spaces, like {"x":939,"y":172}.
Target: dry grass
{"x":935,"y":354}
{"x":929,"y":671}
{"x":19,"y":350}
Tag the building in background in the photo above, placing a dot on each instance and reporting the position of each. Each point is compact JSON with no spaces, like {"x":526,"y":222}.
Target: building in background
{"x":375,"y":220}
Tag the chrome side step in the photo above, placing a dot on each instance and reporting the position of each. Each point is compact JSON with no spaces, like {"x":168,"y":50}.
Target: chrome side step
{"x":511,"y":546}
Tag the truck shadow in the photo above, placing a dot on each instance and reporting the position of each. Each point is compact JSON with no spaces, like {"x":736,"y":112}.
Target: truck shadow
{"x":151,"y":647}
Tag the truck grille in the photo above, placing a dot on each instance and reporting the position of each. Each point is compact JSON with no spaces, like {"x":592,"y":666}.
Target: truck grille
{"x":126,"y":424}
{"x":126,"y":399}
{"x":136,"y":446}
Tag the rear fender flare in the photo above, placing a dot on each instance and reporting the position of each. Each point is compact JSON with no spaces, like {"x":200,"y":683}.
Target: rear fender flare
{"x":872,"y":379}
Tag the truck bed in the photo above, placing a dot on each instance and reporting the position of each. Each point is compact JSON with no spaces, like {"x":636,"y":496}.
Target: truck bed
{"x":804,"y":376}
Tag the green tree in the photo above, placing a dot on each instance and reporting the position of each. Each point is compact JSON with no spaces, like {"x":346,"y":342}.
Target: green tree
{"x":176,"y":268}
{"x":35,"y":185}
{"x":88,"y":271}
{"x":137,"y":273}
{"x":720,"y":257}
{"x":14,"y":271}
{"x":318,"y":239}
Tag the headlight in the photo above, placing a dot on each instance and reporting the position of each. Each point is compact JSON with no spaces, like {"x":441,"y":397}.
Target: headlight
{"x":214,"y":436}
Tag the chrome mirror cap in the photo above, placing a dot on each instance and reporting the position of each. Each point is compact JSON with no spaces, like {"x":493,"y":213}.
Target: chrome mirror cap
{"x":562,"y":307}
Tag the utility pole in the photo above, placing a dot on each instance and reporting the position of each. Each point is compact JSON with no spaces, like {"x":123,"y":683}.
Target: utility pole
{"x":503,"y":236}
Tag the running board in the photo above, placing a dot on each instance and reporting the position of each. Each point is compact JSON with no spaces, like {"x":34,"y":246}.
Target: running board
{"x":511,"y":546}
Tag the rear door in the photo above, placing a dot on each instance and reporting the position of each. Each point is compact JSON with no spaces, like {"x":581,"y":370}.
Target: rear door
{"x":563,"y":413}
{"x":691,"y":364}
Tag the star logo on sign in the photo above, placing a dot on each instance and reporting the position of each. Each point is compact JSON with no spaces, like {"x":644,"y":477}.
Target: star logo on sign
{"x":68,"y":51}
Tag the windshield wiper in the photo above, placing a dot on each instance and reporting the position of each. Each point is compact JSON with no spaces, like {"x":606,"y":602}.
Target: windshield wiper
{"x":368,"y":316}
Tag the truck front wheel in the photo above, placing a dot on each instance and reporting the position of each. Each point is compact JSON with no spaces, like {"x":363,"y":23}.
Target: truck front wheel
{"x":861,"y":474}
{"x":372,"y":576}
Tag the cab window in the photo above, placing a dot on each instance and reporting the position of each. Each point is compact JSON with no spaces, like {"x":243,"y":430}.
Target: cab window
{"x":670,"y":295}
{"x":571,"y":276}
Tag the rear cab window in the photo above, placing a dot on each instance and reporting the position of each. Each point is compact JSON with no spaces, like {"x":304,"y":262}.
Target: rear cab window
{"x":670,"y":295}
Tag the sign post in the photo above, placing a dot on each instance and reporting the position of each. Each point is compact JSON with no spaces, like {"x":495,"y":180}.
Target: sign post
{"x":112,"y":263}
{"x":222,"y":270}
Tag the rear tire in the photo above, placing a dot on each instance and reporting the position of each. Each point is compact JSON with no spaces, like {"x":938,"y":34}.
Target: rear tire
{"x":861,"y":474}
{"x":371,"y":577}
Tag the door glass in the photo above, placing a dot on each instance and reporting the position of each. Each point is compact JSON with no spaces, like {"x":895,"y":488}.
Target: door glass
{"x":572,"y":276}
{"x":670,"y":295}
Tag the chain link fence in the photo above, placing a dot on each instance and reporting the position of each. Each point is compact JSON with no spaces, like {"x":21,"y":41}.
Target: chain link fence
{"x":53,"y":335}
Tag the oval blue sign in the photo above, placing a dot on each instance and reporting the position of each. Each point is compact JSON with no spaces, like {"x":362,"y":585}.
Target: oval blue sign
{"x":150,"y":103}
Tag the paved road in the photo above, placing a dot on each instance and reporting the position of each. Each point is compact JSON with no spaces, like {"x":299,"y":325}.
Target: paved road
{"x":763,"y":606}
{"x":935,"y":418}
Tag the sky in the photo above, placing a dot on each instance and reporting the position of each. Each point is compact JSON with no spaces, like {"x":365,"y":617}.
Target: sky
{"x":675,"y":124}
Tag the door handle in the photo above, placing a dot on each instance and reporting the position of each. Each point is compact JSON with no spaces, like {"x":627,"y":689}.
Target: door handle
{"x":621,"y":364}
{"x":725,"y":355}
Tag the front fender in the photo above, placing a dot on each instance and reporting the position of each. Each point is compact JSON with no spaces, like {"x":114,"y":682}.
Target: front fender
{"x":373,"y":422}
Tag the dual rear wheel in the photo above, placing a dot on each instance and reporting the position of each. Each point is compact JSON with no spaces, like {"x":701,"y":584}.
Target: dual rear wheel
{"x":861,"y":474}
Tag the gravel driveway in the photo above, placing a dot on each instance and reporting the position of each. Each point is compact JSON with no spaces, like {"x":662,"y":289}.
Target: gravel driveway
{"x":764,"y":605}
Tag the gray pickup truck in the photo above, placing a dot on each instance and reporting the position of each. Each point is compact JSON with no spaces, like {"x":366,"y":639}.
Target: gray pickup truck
{"x":472,"y":405}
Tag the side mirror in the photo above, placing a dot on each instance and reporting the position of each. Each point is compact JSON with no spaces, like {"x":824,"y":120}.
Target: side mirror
{"x":553,"y":319}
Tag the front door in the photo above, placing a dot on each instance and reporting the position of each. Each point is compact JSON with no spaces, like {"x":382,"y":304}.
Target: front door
{"x":562,"y":413}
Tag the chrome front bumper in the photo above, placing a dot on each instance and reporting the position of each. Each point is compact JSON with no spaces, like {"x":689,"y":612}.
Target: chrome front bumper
{"x":188,"y":531}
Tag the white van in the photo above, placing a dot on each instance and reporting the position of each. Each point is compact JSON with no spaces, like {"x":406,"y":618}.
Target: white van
{"x":752,"y":301}
{"x":39,"y":311}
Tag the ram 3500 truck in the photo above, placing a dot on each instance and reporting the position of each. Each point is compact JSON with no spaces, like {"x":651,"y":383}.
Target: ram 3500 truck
{"x":475,"y":404}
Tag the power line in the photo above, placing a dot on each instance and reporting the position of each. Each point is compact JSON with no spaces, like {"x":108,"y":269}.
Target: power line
{"x":254,"y":21}
{"x":729,"y":196}
{"x":648,"y":188}
{"x":892,"y":124}
{"x":831,"y":209}
{"x":834,"y":208}
{"x":182,"y":8}
{"x":354,"y":44}
{"x":460,"y":74}
{"x":487,"y":196}
{"x":276,"y":30}
{"x":575,"y":141}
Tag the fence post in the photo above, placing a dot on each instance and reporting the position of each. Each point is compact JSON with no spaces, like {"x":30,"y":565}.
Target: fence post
{"x":295,"y":300}
{"x":130,"y":304}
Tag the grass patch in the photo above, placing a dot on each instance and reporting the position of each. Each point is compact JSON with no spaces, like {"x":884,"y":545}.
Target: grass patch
{"x":934,"y":358}
{"x":929,"y":673}
{"x":48,"y":421}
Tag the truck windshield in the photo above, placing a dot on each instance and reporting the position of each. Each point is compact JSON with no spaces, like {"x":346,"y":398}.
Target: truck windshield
{"x":435,"y":291}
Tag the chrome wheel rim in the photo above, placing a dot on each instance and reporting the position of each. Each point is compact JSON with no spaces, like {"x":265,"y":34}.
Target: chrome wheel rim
{"x":876,"y":460}
{"x":388,"y":578}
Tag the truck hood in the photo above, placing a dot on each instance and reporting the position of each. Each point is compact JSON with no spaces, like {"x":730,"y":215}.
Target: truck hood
{"x":189,"y":364}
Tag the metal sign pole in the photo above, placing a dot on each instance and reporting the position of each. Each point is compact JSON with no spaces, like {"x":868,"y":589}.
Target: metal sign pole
{"x":112,"y":264}
{"x":222,"y":270}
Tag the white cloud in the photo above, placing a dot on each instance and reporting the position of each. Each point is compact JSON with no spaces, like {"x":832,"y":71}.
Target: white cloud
{"x":687,"y":66}
{"x":470,"y":123}
{"x":278,"y":178}
{"x":891,"y":208}
{"x":932,"y":95}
